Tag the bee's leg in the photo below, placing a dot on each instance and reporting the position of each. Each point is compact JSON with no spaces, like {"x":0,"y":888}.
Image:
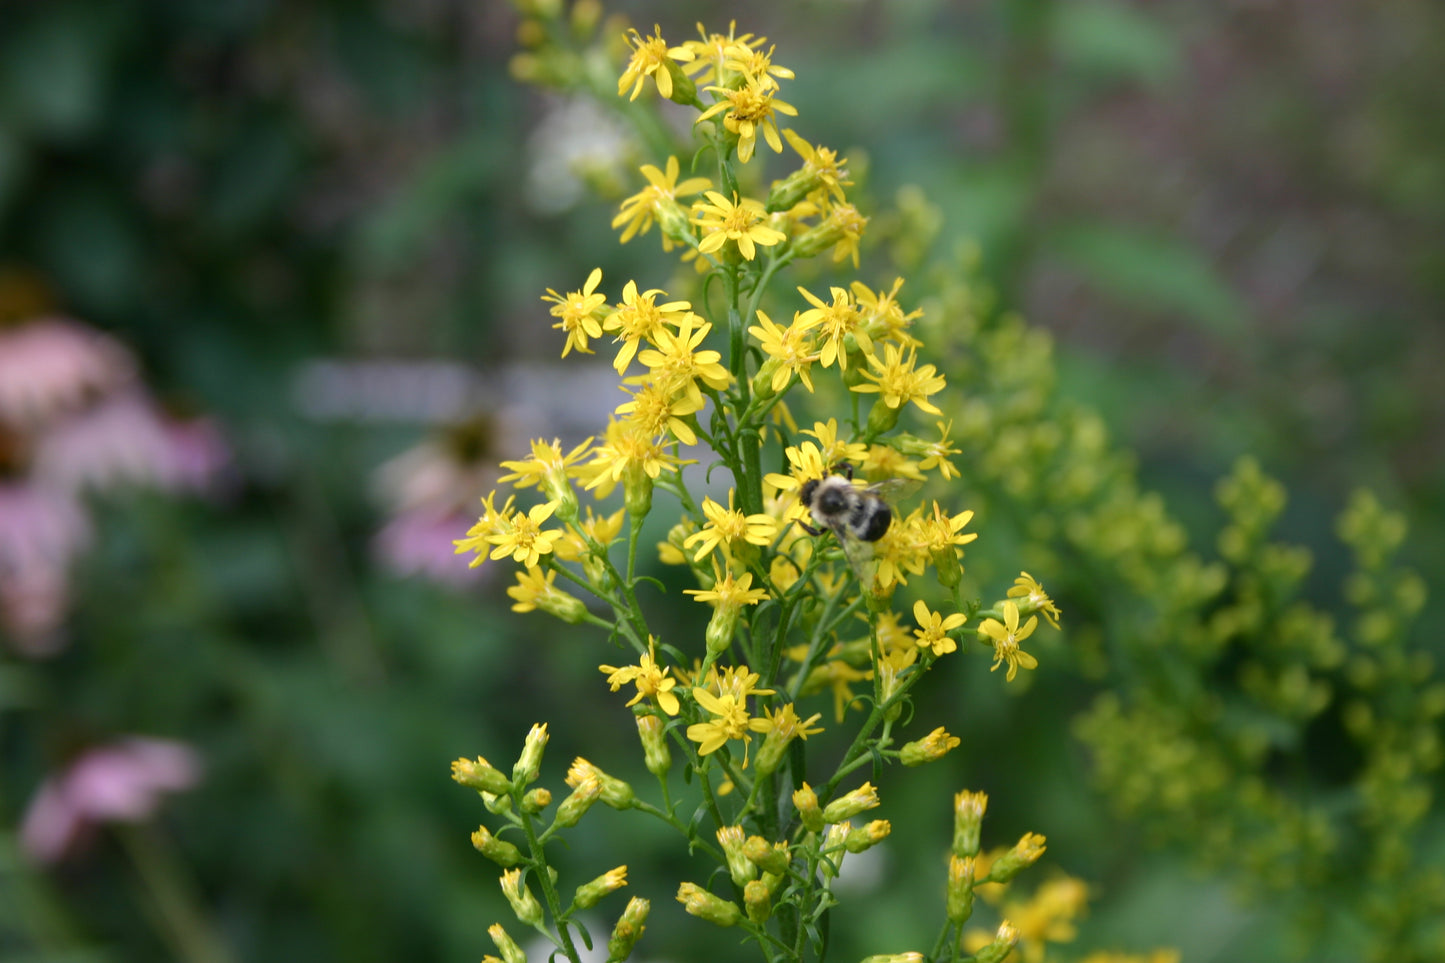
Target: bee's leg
{"x":846,"y":468}
{"x":809,"y":528}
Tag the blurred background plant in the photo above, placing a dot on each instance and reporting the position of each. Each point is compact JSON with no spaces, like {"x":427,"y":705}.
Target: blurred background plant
{"x":314,"y":236}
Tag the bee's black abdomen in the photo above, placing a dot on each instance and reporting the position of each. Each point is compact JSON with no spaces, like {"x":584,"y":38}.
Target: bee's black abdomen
{"x":805,"y":494}
{"x":876,"y":523}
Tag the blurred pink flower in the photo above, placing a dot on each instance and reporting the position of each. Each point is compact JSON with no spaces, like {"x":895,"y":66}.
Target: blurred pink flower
{"x":433,"y":490}
{"x":41,"y":532}
{"x":120,"y":782}
{"x":52,"y":365}
{"x":125,"y":440}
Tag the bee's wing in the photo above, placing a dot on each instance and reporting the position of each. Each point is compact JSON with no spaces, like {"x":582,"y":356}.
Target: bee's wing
{"x":892,"y":489}
{"x":859,"y":554}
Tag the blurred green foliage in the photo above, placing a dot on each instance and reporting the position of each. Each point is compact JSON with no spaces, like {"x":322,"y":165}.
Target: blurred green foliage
{"x":1228,"y":215}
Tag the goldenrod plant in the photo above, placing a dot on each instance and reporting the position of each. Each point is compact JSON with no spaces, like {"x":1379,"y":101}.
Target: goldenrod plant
{"x":749,"y":395}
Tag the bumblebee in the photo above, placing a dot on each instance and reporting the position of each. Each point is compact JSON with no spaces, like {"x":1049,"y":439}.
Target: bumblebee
{"x":857,"y":515}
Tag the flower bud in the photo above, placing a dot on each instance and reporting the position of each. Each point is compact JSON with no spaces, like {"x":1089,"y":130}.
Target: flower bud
{"x":758,"y":899}
{"x":960,"y":889}
{"x":930,"y":748}
{"x":807,"y":802}
{"x":615,"y":792}
{"x":563,"y":605}
{"x":480,"y":775}
{"x":524,"y":904}
{"x":881,"y":418}
{"x":865,"y":837}
{"x":536,"y":800}
{"x":590,"y":894}
{"x":575,"y":806}
{"x":511,"y":952}
{"x":851,"y":804}
{"x":655,"y":753}
{"x":946,"y":565}
{"x":637,"y":491}
{"x":720,"y":629}
{"x":913,"y":957}
{"x":968,"y":810}
{"x":769,"y":857}
{"x":499,"y":851}
{"x":629,"y":927}
{"x":704,"y":905}
{"x":794,"y":188}
{"x":1025,"y":853}
{"x":529,"y":764}
{"x":684,"y":91}
{"x":834,"y":848}
{"x":501,"y":805}
{"x":1003,"y":943}
{"x":740,"y":868}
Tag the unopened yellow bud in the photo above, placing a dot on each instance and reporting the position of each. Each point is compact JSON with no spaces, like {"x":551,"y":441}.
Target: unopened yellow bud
{"x":865,"y":837}
{"x":769,"y":857}
{"x":946,"y":565}
{"x":913,"y":957}
{"x":563,"y":605}
{"x":1025,"y":853}
{"x":529,"y":763}
{"x":575,"y":806}
{"x":615,"y":792}
{"x":740,"y":868}
{"x":655,"y":753}
{"x":807,"y":803}
{"x":1003,"y":943}
{"x":628,"y":929}
{"x":496,"y":804}
{"x":835,"y":847}
{"x":590,"y":894}
{"x":536,"y":800}
{"x":499,"y":851}
{"x":968,"y":810}
{"x":704,"y":905}
{"x":511,"y":952}
{"x":960,"y":889}
{"x":931,"y":747}
{"x":479,"y":774}
{"x":847,"y":806}
{"x":758,"y":899}
{"x":524,"y":904}
{"x":684,"y":91}
{"x":585,"y":15}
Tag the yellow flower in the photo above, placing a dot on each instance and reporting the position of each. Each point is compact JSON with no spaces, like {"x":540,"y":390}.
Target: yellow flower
{"x":1006,"y":637}
{"x":578,"y":313}
{"x":478,"y":538}
{"x":896,"y":379}
{"x":832,"y":450}
{"x":728,"y":591}
{"x":758,"y":67}
{"x":547,"y":467}
{"x":821,"y":165}
{"x":655,"y":410}
{"x":749,"y":108}
{"x":836,"y":321}
{"x":730,"y":721}
{"x":783,"y":727}
{"x":883,"y":316}
{"x":649,"y":59}
{"x":534,"y":590}
{"x":676,"y":362}
{"x":727,"y":525}
{"x":522,"y":536}
{"x":625,"y":446}
{"x":939,"y":530}
{"x":885,"y":461}
{"x":742,"y":221}
{"x":657,"y":200}
{"x":652,"y":680}
{"x":640,"y":318}
{"x":937,"y":453}
{"x":1048,"y":917}
{"x":1035,"y":599}
{"x":807,"y":464}
{"x":789,"y":350}
{"x":933,"y":629}
{"x":603,"y":530}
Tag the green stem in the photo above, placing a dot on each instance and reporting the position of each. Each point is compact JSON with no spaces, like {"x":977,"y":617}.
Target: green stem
{"x":544,"y":880}
{"x":172,"y":896}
